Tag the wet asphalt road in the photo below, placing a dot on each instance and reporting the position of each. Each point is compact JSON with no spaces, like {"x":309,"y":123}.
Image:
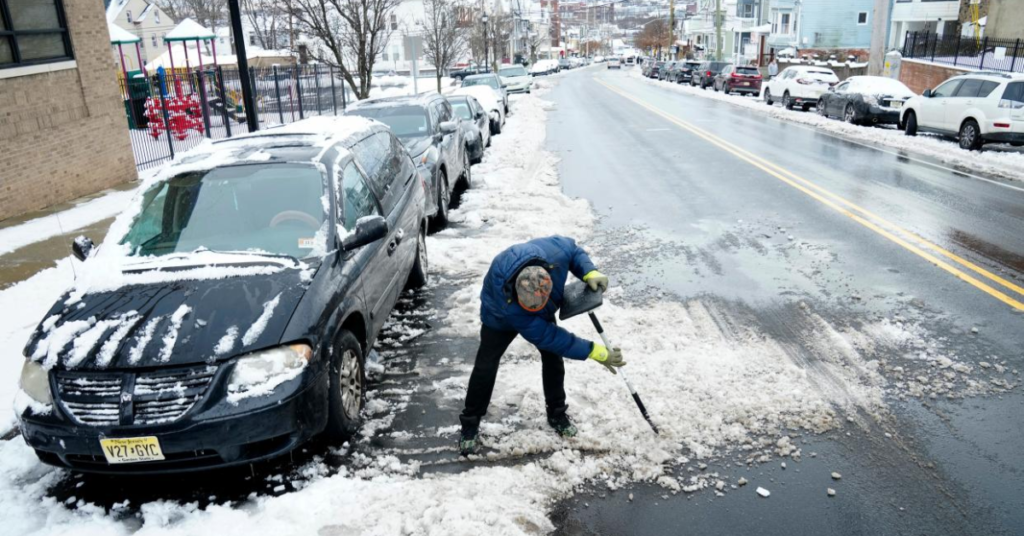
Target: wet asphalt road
{"x":759,"y":234}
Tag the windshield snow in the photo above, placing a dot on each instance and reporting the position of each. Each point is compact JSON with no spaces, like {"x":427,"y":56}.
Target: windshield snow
{"x":275,"y":208}
{"x":482,"y":81}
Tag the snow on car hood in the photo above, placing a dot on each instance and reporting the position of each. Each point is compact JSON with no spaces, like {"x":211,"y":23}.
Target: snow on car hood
{"x":176,"y":322}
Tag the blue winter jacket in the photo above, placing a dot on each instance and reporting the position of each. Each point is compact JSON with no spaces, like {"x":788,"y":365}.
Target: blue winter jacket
{"x":500,"y":309}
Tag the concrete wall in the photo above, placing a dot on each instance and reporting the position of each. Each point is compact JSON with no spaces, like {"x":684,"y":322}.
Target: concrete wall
{"x":920,"y":75}
{"x":63,"y":132}
{"x":1005,"y":19}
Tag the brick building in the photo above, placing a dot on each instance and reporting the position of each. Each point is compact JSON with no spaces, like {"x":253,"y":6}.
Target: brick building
{"x":62,"y":124}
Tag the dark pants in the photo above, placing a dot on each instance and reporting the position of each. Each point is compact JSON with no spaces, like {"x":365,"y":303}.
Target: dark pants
{"x":493,"y":343}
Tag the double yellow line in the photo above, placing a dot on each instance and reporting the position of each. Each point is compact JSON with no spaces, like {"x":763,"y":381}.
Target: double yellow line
{"x":907,"y":239}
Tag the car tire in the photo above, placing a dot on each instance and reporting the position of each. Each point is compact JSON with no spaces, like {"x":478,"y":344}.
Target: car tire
{"x":477,"y":160}
{"x":821,"y":108}
{"x":467,"y":171}
{"x":850,"y":115}
{"x":418,"y":275}
{"x":444,"y":199}
{"x":787,"y":102}
{"x":346,"y":387}
{"x":496,"y":128}
{"x":768,"y":97}
{"x":910,"y":124}
{"x":970,"y":136}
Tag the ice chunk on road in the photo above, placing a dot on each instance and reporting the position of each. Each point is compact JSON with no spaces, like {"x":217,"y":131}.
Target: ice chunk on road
{"x":763,"y":492}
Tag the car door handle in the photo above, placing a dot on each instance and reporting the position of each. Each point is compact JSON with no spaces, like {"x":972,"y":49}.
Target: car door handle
{"x":392,"y":246}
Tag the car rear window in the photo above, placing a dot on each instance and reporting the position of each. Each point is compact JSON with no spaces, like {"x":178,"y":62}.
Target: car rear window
{"x":1014,"y":92}
{"x":717,"y":65}
{"x":693,"y":64}
{"x":987,"y":87}
{"x":749,"y":71}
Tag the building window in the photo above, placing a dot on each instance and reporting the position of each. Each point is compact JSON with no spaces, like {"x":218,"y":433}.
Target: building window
{"x":128,"y":13}
{"x":156,"y":17}
{"x":154,"y":40}
{"x":394,"y":21}
{"x":784,"y":25}
{"x":862,"y":18}
{"x":33,"y":32}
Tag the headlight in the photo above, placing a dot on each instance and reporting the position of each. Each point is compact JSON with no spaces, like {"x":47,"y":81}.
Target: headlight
{"x":871,"y":100}
{"x":35,"y":383}
{"x":261,"y":372}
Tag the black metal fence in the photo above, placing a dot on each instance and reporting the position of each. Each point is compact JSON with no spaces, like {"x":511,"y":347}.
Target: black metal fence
{"x":172,"y":112}
{"x":986,"y":53}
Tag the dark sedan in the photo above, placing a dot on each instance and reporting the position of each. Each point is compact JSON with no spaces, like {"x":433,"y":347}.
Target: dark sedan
{"x":476,"y":126}
{"x":665,"y":69}
{"x":682,"y":71}
{"x":654,"y":69}
{"x":738,"y":79}
{"x":430,"y":131}
{"x":870,"y":100}
{"x":227,"y":316}
{"x":705,"y":74}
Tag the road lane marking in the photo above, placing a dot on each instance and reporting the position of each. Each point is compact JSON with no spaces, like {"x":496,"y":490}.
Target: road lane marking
{"x":812,"y":190}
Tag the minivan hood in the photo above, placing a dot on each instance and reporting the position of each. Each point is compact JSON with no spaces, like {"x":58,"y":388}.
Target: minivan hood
{"x":172,"y":323}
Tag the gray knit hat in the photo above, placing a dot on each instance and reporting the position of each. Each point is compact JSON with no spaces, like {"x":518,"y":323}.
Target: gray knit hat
{"x":533,"y":288}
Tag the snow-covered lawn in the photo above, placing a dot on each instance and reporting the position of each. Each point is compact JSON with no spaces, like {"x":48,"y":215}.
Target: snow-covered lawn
{"x":1008,"y":164}
{"x":714,"y":384}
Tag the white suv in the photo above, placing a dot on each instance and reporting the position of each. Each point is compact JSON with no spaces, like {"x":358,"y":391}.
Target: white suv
{"x":975,"y":108}
{"x":800,"y":85}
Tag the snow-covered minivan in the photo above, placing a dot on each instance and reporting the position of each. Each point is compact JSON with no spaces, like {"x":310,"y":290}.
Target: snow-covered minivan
{"x":976,"y":108}
{"x":227,"y":316}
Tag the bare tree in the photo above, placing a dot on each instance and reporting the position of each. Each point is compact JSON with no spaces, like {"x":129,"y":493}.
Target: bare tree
{"x":653,"y":37}
{"x":444,"y":41}
{"x":535,"y":42}
{"x":349,"y":34}
{"x":209,"y":13}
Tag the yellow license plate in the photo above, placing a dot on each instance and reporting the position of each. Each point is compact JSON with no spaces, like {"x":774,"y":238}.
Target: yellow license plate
{"x":131,"y":449}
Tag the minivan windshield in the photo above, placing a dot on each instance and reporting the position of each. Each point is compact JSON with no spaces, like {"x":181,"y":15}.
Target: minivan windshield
{"x":481,"y":81}
{"x":261,"y":208}
{"x":461,"y":108}
{"x":510,"y":72}
{"x":405,"y":121}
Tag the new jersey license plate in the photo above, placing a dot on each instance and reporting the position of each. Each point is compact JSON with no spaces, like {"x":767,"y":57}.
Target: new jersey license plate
{"x":131,"y":449}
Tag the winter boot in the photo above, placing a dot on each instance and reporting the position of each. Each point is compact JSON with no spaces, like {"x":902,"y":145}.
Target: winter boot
{"x":469,"y":443}
{"x":563,"y":425}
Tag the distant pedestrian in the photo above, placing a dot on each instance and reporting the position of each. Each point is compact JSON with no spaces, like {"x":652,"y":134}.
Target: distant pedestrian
{"x":773,"y":68}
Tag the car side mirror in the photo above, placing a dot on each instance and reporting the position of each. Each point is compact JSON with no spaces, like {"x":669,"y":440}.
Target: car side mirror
{"x":927,"y":94}
{"x":82,"y":247}
{"x":448,"y":127}
{"x":503,"y":86}
{"x":369,"y":229}
{"x":479,"y":114}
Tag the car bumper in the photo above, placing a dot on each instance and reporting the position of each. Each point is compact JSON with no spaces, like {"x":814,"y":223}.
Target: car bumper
{"x":1005,"y":136}
{"x":754,"y":87}
{"x":882,"y":116}
{"x":193,"y":443}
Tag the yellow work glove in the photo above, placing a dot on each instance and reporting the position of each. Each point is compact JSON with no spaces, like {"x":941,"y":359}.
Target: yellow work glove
{"x":611,"y":359}
{"x":596,"y":279}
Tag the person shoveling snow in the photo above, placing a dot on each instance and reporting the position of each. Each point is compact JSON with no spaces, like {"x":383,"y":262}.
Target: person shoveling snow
{"x":521,"y":293}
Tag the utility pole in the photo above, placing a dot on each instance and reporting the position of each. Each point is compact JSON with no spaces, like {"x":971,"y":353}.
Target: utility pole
{"x":672,"y":27}
{"x":243,"y":66}
{"x":718,"y":30}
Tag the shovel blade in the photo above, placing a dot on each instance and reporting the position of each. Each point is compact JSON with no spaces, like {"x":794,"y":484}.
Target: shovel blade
{"x":578,"y":299}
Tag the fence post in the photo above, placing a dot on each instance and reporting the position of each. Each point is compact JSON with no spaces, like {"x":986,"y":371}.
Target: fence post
{"x":255,"y":107}
{"x":167,"y":118}
{"x":316,"y":78}
{"x":298,"y":89}
{"x":956,"y":55}
{"x":334,"y":93}
{"x":984,"y":46}
{"x":223,"y":100}
{"x":1013,"y":62}
{"x":205,"y":104}
{"x":277,"y":90}
{"x":913,"y":46}
{"x":935,"y":45}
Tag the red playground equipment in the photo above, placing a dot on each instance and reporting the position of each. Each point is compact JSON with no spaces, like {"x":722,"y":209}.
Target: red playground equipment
{"x":183,"y":114}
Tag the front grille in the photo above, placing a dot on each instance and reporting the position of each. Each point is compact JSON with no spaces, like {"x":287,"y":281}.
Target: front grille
{"x":95,"y":399}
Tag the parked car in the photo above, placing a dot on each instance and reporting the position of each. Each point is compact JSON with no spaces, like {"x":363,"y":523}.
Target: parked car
{"x":544,"y":67}
{"x":800,"y":85}
{"x":515,"y":78}
{"x":865,"y":100}
{"x":428,"y":128}
{"x":492,"y":81}
{"x":704,"y":76}
{"x":476,"y":127}
{"x":564,"y":64}
{"x":490,"y":100}
{"x":738,"y":79}
{"x":681,"y":71}
{"x":665,"y":68}
{"x":598,"y":59}
{"x":613,"y":62}
{"x":652,"y":69}
{"x":976,"y":108}
{"x":459,"y":74}
{"x":227,"y":315}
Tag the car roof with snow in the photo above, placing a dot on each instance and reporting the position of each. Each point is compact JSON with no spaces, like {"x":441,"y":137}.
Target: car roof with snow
{"x":383,"y":102}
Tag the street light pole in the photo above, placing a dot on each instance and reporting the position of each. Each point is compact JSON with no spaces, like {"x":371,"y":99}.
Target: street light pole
{"x":487,"y":59}
{"x":243,"y":66}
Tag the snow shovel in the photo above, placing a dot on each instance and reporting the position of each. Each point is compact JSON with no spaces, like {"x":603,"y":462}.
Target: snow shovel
{"x":578,"y":299}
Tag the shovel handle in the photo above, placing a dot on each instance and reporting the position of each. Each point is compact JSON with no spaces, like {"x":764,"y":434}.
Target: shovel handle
{"x":608,"y":344}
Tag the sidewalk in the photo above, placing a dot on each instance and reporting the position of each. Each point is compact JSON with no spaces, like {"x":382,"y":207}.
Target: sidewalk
{"x":36,"y":241}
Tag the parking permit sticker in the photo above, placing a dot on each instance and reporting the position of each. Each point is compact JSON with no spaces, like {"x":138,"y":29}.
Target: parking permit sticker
{"x":306,"y":243}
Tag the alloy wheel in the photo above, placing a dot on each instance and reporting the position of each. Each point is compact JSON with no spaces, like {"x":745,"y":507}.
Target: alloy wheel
{"x":351,"y":384}
{"x":850,"y":115}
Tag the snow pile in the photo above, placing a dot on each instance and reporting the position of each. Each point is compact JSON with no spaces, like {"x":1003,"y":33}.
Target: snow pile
{"x":1004,"y":164}
{"x":82,"y":215}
